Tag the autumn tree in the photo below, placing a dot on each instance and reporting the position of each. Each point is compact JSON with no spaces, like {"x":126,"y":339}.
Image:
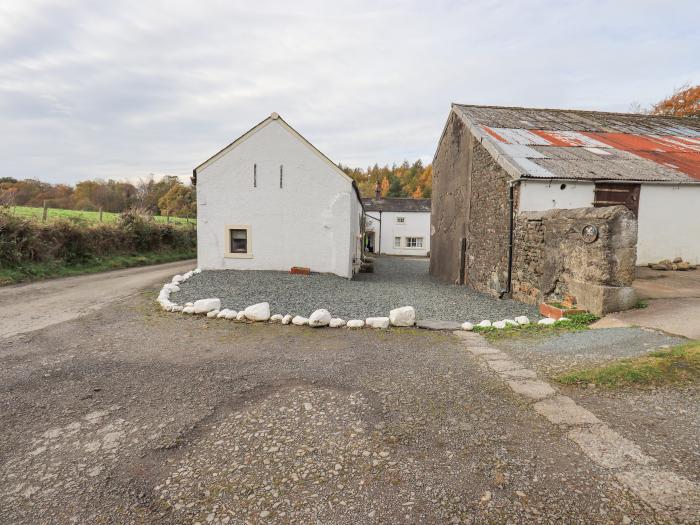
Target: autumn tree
{"x":180,"y":201}
{"x":684,"y":102}
{"x":405,"y":180}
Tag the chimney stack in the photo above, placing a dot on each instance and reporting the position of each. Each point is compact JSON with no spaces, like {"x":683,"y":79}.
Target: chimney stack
{"x":378,"y":191}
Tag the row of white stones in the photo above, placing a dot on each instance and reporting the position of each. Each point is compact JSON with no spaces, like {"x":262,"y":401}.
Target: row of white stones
{"x":403,"y":316}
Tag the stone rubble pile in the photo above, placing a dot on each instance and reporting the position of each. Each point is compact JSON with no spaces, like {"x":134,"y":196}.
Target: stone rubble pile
{"x":404,"y":316}
{"x":677,"y":264}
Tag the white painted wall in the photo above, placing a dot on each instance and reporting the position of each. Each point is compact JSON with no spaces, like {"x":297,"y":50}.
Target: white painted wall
{"x":416,"y":224}
{"x":312,"y":221}
{"x":547,"y":195}
{"x":669,"y":223}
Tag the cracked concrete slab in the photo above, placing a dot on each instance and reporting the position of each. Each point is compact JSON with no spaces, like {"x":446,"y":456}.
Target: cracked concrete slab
{"x":664,"y":491}
{"x":503,"y":365}
{"x":484,"y":350}
{"x":562,"y":410}
{"x":532,"y":389}
{"x":608,"y":448}
{"x":520,"y":373}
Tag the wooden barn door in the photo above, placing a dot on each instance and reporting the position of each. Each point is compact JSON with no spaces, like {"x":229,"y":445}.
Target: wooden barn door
{"x":613,"y":194}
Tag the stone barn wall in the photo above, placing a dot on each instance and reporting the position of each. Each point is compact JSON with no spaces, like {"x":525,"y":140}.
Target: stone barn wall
{"x":551,"y":258}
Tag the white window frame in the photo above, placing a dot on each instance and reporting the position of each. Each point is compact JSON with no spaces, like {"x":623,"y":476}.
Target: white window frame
{"x":400,"y":219}
{"x":227,"y":241}
{"x":417,"y":241}
{"x":397,"y":244}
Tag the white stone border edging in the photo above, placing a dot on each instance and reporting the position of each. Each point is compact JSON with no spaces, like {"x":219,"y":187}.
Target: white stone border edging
{"x":404,"y":316}
{"x":666,"y":492}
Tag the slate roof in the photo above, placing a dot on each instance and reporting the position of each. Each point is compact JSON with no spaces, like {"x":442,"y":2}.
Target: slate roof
{"x":404,"y":205}
{"x":587,"y":145}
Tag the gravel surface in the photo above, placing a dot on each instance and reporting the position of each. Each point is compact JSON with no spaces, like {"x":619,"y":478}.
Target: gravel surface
{"x":132,"y":415}
{"x":551,"y":354}
{"x":396,"y":282}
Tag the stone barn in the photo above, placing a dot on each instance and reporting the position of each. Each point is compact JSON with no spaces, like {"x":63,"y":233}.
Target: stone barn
{"x":519,"y":196}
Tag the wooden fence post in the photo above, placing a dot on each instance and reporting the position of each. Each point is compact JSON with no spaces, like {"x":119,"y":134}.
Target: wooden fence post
{"x":46,"y":210}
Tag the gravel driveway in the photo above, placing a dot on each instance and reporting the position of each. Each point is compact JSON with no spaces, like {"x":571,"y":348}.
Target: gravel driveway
{"x":132,"y":415}
{"x":396,"y":282}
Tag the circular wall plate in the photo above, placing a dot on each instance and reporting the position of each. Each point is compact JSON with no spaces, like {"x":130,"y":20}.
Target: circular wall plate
{"x":589,"y":233}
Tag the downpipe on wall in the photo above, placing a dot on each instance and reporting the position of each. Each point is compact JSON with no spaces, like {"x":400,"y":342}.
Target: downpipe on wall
{"x":507,"y":292}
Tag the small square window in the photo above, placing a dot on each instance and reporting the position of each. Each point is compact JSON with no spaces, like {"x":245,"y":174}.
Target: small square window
{"x":400,"y":220}
{"x":238,"y":242}
{"x":414,"y":242}
{"x":397,"y":242}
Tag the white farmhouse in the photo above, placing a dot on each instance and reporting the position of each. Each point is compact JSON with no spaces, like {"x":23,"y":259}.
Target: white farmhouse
{"x":397,"y":226}
{"x":271,"y":201}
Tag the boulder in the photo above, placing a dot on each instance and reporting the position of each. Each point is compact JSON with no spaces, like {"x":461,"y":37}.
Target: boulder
{"x":177,"y":279}
{"x":683,"y":266}
{"x":231,"y":315}
{"x":287,"y":319}
{"x":276,"y":318}
{"x":499,"y":324}
{"x":336,"y":322}
{"x":240,"y":316}
{"x":485,"y":324}
{"x":467,"y":326}
{"x":320,"y":317}
{"x":355,"y":323}
{"x":212,"y":314}
{"x":522,"y":320}
{"x":661,"y":267}
{"x":678,"y":260}
{"x":404,"y":316}
{"x":298,"y":320}
{"x":188,"y":310}
{"x":204,"y":306}
{"x":547,"y":321}
{"x":258,"y":312}
{"x":377,"y":322}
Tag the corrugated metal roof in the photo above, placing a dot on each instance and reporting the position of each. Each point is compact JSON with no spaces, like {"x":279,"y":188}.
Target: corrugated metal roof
{"x":588,"y":145}
{"x":397,"y":204}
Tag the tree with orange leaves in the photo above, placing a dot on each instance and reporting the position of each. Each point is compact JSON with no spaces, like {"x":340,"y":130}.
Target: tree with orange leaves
{"x":685,"y":102}
{"x":385,"y":186}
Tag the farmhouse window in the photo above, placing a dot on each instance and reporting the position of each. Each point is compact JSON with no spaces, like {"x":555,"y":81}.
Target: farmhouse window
{"x":414,"y":242}
{"x":238,"y":242}
{"x":397,"y":242}
{"x":400,"y":220}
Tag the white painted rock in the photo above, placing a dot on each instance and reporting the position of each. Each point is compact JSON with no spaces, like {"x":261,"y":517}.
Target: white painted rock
{"x":287,"y":319}
{"x":187,"y":275}
{"x":188,"y":310}
{"x":485,"y":323}
{"x":320,"y":317}
{"x":499,"y":324}
{"x":276,"y":318}
{"x":299,"y":320}
{"x":222,"y":313}
{"x":510,"y":322}
{"x":171,"y":287}
{"x":377,"y":322}
{"x":404,"y":316}
{"x":355,"y":323}
{"x":522,"y":320}
{"x":258,"y":312}
{"x":467,"y":326}
{"x":197,"y":270}
{"x":189,"y":304}
{"x":547,"y":321}
{"x":207,"y":305}
{"x":212,"y":314}
{"x":240,"y":316}
{"x":563,"y":320}
{"x":177,"y":308}
{"x":336,"y":322}
{"x":231,"y":315}
{"x":177,"y":279}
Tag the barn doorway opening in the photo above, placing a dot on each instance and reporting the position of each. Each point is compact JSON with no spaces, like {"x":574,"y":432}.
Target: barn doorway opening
{"x":614,"y":194}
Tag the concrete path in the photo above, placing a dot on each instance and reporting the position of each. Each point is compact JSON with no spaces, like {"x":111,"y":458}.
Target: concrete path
{"x":673,"y":300}
{"x":29,"y":307}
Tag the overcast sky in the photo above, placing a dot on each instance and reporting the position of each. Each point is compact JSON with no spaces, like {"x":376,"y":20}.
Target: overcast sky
{"x":122,"y":89}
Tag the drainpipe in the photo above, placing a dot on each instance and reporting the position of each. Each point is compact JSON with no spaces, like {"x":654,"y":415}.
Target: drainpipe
{"x":508,"y":292}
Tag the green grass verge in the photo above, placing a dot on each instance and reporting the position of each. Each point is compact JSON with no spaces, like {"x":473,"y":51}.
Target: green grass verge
{"x":576,"y":322}
{"x":680,"y":364}
{"x":39,"y":271}
{"x":88,"y":216}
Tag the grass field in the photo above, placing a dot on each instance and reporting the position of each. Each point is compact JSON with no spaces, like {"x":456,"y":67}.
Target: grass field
{"x":90,"y":216}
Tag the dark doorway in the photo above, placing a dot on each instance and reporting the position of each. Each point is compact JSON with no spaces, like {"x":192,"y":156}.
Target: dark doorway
{"x":614,"y":194}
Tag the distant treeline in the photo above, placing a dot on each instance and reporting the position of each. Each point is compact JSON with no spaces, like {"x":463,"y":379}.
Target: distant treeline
{"x":405,"y":180}
{"x":167,"y":195}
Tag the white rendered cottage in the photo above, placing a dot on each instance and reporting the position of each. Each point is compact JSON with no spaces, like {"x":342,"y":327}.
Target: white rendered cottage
{"x":397,"y":226}
{"x":271,"y":201}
